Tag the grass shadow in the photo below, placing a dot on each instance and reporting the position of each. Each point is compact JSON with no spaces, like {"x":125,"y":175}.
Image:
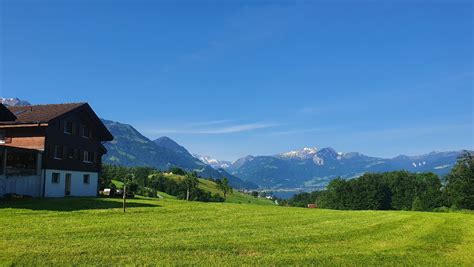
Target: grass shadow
{"x":71,"y":204}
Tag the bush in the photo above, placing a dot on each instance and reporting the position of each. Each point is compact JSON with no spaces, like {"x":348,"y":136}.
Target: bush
{"x":442,"y":209}
{"x":146,"y":192}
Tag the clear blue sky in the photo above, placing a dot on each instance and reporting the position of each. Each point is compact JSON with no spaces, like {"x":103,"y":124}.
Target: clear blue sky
{"x":240,"y":78}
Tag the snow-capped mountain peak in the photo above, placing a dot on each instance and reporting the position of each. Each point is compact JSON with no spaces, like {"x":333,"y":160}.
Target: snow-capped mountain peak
{"x":214,"y":163}
{"x":13,"y":102}
{"x":304,"y":153}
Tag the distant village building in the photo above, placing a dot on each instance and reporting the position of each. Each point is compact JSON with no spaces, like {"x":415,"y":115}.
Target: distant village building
{"x":51,"y":150}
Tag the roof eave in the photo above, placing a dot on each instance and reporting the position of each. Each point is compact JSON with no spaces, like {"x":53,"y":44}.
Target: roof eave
{"x":22,"y":124}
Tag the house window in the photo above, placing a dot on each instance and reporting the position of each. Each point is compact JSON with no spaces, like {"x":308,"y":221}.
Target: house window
{"x":86,"y":178}
{"x":88,"y":157}
{"x":68,"y":127}
{"x":58,"y":152}
{"x":71,"y":153}
{"x":86,"y":132}
{"x":55,"y":178}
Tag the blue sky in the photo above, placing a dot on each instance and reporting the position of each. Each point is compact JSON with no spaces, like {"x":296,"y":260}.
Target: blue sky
{"x":233,"y":78}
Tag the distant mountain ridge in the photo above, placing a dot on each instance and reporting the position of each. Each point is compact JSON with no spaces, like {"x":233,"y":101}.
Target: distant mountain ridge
{"x":313,"y":168}
{"x":13,"y":102}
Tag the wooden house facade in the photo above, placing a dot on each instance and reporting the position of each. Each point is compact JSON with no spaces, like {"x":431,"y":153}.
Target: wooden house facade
{"x":51,"y":150}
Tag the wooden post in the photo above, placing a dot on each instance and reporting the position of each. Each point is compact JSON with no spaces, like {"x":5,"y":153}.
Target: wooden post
{"x":124,"y":197}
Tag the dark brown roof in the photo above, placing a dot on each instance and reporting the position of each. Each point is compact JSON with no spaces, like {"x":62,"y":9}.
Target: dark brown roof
{"x":46,"y":113}
{"x":42,"y":113}
{"x":5,"y":114}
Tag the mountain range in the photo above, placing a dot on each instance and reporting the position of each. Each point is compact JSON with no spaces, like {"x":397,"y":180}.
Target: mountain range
{"x":308,"y":168}
{"x":313,"y":168}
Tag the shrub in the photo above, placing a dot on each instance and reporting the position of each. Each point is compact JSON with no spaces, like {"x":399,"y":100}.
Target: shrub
{"x":442,"y":209}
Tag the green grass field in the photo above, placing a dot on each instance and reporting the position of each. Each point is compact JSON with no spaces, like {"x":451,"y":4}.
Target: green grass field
{"x":170,"y":232}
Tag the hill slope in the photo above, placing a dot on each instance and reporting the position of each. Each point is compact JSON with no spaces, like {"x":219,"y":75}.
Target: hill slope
{"x":130,"y":148}
{"x":233,"y":197}
{"x":169,"y":232}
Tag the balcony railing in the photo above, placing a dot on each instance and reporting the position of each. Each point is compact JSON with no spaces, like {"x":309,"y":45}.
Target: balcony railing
{"x":20,"y":172}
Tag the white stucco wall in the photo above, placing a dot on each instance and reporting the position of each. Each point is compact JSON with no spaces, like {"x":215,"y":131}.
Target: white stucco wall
{"x":78,"y":188}
{"x":21,"y":185}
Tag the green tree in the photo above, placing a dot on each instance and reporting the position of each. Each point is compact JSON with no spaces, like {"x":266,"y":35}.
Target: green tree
{"x":402,"y":185}
{"x":460,"y":183}
{"x":428,"y":190}
{"x":127,"y":183}
{"x":336,"y":196}
{"x":190,"y":182}
{"x":224,"y":186}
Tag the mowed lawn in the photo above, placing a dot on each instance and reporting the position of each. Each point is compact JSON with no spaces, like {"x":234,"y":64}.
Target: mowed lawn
{"x":171,"y":232}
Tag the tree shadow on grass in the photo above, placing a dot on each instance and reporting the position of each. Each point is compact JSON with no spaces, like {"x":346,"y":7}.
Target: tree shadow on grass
{"x":72,"y":204}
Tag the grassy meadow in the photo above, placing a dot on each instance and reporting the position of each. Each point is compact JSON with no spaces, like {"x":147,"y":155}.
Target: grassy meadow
{"x":171,"y":232}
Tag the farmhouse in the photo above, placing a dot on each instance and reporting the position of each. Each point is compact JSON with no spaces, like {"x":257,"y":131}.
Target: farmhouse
{"x":51,"y":150}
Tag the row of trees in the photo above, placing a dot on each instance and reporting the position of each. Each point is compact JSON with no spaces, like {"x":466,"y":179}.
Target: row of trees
{"x":399,"y":190}
{"x":148,"y":181}
{"x":385,"y":191}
